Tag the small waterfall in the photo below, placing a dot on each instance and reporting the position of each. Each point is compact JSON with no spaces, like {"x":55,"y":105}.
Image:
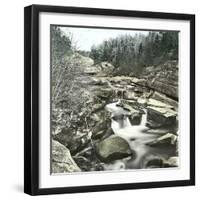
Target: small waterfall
{"x":137,"y":136}
{"x":122,"y":121}
{"x":144,"y":119}
{"x":121,"y":124}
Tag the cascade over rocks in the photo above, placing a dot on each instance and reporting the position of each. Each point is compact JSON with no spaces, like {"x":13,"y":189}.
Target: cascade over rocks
{"x":84,"y":130}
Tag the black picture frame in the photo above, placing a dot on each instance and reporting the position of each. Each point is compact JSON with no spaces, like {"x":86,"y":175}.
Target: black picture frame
{"x":31,"y":98}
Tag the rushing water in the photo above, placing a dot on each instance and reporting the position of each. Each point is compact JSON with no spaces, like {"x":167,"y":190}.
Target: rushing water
{"x":137,"y":136}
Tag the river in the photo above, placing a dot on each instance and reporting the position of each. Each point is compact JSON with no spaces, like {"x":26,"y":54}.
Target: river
{"x":138,"y":137}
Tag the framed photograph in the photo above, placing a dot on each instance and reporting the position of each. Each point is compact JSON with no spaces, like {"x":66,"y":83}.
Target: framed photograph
{"x":109,"y":99}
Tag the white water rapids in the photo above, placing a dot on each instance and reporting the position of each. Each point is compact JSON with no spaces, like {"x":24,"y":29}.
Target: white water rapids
{"x":136,"y":136}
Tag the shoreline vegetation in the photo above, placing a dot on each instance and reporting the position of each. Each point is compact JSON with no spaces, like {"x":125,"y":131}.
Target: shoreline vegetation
{"x":115,"y":107}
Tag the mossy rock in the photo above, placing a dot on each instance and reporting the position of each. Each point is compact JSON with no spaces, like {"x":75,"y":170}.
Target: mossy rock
{"x":113,"y":148}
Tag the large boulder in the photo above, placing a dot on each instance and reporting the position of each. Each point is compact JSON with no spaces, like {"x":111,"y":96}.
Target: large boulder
{"x":164,"y":79}
{"x":160,"y":116}
{"x":135,"y":118}
{"x":74,"y":141}
{"x":156,"y":103}
{"x":164,"y":87}
{"x":163,"y":98}
{"x":107,"y":67}
{"x":101,"y":129}
{"x":103,"y":93}
{"x":138,"y":81}
{"x":97,"y":81}
{"x":152,"y":161}
{"x":113,"y":148}
{"x":98,"y":106}
{"x":156,"y":161}
{"x":62,"y":161}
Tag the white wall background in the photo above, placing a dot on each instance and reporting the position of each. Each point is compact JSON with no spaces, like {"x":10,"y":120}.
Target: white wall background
{"x":11,"y":99}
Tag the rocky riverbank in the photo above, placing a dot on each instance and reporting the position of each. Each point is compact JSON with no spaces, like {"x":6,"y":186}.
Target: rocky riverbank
{"x":83,"y":138}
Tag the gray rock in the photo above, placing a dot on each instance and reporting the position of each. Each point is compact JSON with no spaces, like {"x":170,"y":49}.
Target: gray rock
{"x":163,"y":98}
{"x":62,"y":161}
{"x":103,"y":93}
{"x":159,"y":104}
{"x":97,"y":107}
{"x":164,"y":87}
{"x":133,"y":106}
{"x":108,"y":133}
{"x":101,"y":69}
{"x":97,"y":81}
{"x":152,"y":161}
{"x":138,"y":81}
{"x":107,"y":67}
{"x":165,"y":140}
{"x":71,"y":140}
{"x":172,"y":162}
{"x":98,"y":135}
{"x":100,"y":129}
{"x":134,"y":112}
{"x":102,"y":134}
{"x":135,"y":118}
{"x":113,"y":148}
{"x":155,"y":161}
{"x":160,"y":116}
{"x":164,"y":79}
{"x":130,"y":106}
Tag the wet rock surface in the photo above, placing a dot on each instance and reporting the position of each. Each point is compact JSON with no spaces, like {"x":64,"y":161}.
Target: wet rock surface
{"x":158,"y":117}
{"x":135,"y":118}
{"x":168,"y":139}
{"x":153,"y":162}
{"x":113,"y":148}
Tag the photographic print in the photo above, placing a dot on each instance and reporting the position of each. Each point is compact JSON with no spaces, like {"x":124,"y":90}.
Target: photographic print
{"x":109,"y":99}
{"x":114,"y":99}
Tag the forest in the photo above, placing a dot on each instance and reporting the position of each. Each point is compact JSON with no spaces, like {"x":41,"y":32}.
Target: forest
{"x":127,"y":53}
{"x":134,"y":53}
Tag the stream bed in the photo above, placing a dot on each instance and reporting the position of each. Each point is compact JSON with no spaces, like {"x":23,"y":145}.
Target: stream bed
{"x":141,"y":139}
{"x":118,"y":124}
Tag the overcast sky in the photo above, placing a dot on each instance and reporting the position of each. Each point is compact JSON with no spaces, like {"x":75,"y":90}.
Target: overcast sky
{"x":86,"y":37}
